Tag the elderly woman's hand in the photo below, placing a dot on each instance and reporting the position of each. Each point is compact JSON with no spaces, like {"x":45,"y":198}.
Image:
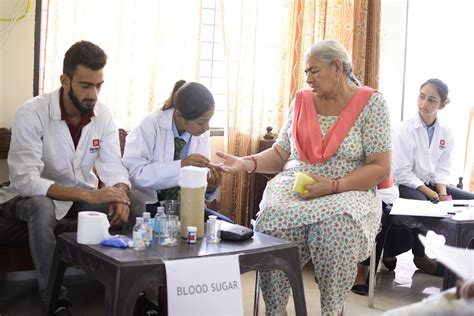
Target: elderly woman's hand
{"x":322,"y":186}
{"x":231,"y":164}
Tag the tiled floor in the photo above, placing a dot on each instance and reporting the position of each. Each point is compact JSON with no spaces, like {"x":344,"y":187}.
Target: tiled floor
{"x":404,"y":286}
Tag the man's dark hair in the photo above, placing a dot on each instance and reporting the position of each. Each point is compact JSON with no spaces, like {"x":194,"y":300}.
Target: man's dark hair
{"x":86,"y":54}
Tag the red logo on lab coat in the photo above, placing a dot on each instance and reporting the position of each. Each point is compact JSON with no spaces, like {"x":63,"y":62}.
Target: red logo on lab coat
{"x":442,"y":143}
{"x":95,"y":146}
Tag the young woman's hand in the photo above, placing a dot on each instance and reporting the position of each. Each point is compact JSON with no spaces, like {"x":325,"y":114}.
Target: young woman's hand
{"x":214,"y":177}
{"x":196,"y":160}
{"x":233,"y":164}
{"x":430,"y":194}
{"x":443,"y":197}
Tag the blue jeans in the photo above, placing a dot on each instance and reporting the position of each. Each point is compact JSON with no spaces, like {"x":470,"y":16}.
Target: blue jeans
{"x":38,"y":213}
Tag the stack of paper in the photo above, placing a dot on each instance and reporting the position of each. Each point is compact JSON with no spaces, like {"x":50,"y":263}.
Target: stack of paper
{"x":422,"y":208}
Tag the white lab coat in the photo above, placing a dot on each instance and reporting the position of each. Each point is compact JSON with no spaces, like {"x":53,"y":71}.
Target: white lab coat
{"x":149,"y":154}
{"x":42,"y":152}
{"x":415,"y":162}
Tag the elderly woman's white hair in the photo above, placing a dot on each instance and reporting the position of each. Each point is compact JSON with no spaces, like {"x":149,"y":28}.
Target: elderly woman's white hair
{"x":329,"y":50}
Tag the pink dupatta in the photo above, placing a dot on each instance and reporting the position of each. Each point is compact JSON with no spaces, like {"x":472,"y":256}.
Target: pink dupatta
{"x":307,"y":132}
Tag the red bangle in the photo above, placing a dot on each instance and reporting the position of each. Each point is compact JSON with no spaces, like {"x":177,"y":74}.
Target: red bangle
{"x":254,"y":164}
{"x":335,"y":186}
{"x":279,"y":155}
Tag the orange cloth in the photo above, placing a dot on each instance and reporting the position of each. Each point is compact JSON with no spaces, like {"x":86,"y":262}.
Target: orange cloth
{"x":307,"y":133}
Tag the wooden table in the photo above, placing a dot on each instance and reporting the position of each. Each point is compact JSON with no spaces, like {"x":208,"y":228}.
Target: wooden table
{"x":125,"y":272}
{"x":457,"y":234}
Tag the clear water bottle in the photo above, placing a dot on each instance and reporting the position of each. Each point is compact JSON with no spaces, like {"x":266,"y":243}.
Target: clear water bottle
{"x":160,"y":219}
{"x":139,"y":233}
{"x":148,"y":228}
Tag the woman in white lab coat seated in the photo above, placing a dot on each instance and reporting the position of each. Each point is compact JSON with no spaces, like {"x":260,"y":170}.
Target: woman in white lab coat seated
{"x":166,"y":140}
{"x":422,"y":157}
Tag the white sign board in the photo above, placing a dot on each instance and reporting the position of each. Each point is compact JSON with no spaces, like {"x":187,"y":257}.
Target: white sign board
{"x":204,"y":286}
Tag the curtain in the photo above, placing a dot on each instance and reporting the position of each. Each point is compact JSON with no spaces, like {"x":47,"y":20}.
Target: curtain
{"x":258,"y":37}
{"x":265,"y":42}
{"x":150,"y":45}
{"x":356,"y":24}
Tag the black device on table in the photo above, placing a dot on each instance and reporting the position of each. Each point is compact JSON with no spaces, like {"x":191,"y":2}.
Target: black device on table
{"x":234,"y":232}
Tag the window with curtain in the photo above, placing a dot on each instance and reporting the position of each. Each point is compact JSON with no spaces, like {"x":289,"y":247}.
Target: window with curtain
{"x":150,"y":45}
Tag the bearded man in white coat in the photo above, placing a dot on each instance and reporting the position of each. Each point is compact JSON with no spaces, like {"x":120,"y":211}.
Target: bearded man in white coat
{"x":57,"y":140}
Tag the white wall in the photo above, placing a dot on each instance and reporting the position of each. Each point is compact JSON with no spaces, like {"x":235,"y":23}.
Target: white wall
{"x":440,"y":46}
{"x":16,"y":66}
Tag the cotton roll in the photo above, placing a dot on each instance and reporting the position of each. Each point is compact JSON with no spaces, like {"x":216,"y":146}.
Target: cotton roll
{"x":92,"y":228}
{"x":193,"y":177}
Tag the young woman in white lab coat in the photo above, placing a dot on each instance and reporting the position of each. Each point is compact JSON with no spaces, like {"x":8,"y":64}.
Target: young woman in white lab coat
{"x":154,"y":165}
{"x":422,"y":157}
{"x":150,"y":148}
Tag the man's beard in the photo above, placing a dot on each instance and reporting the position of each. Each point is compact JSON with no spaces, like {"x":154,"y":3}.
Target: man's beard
{"x":83,"y":109}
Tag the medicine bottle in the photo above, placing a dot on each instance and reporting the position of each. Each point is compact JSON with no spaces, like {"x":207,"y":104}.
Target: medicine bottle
{"x":192,"y":234}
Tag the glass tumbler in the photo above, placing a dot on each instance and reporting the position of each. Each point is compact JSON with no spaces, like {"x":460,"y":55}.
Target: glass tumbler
{"x":171,"y":207}
{"x":170,"y":231}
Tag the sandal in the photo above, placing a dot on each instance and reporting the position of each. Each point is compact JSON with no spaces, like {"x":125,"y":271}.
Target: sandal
{"x":361,"y":289}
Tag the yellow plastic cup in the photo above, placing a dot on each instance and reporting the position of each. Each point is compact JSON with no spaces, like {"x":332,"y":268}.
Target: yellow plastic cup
{"x":301,"y":179}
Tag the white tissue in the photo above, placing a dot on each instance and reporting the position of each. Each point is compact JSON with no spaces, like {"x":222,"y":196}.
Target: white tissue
{"x":193,"y":177}
{"x":92,"y":228}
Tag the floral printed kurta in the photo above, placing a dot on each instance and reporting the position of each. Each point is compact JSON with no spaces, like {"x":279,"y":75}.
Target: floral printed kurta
{"x":281,"y":208}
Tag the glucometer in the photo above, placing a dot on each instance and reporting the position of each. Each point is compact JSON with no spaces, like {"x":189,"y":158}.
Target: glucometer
{"x":234,"y":232}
